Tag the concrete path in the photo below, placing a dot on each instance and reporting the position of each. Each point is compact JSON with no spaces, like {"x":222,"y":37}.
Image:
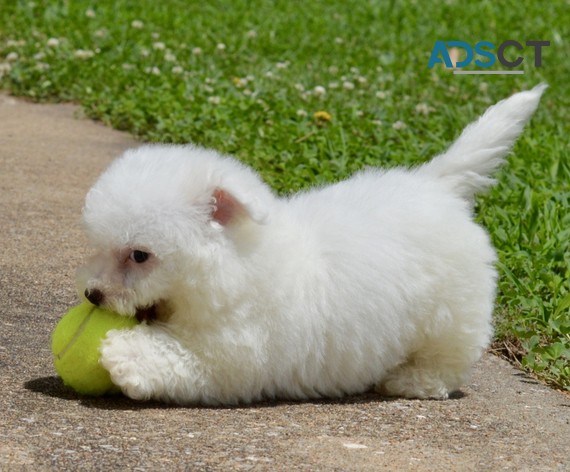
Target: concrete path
{"x":49,"y":157}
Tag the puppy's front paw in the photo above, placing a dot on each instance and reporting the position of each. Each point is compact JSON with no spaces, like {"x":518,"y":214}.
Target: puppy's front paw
{"x":123,"y":356}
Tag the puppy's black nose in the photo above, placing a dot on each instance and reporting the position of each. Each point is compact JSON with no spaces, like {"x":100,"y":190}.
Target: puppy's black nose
{"x":94,"y":296}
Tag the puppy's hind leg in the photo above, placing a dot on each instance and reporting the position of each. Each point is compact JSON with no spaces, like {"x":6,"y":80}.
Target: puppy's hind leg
{"x":435,"y":371}
{"x":147,"y":363}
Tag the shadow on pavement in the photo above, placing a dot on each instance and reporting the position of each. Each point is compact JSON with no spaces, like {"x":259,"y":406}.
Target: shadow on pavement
{"x":53,"y":386}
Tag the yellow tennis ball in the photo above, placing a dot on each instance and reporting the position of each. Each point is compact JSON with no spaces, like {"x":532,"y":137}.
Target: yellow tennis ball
{"x":75,"y":345}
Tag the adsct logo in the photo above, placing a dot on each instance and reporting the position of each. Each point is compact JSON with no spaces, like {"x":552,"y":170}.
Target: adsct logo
{"x":485,"y":50}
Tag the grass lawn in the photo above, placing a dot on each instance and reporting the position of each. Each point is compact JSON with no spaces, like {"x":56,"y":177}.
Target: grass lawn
{"x":309,"y":92}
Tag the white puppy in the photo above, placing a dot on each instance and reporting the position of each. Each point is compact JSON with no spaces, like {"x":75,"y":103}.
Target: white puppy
{"x":381,"y":280}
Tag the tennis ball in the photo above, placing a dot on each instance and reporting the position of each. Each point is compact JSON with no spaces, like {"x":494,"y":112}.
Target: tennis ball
{"x":75,"y":345}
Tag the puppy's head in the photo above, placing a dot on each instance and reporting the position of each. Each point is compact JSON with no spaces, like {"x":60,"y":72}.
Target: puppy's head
{"x":167,"y":222}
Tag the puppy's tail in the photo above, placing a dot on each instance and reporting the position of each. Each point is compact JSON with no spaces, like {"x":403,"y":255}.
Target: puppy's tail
{"x":482,"y":146}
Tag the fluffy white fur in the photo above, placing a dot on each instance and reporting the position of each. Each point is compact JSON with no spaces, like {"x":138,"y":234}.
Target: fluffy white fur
{"x":381,"y":280}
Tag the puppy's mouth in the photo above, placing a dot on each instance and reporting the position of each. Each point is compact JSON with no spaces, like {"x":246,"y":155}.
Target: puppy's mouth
{"x":147,"y":313}
{"x":156,"y":312}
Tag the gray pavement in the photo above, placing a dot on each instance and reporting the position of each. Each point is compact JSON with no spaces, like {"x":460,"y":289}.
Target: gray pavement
{"x":49,"y":157}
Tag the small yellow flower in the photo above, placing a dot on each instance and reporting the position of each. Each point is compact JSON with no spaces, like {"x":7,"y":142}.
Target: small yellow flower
{"x":239,"y":82}
{"x":322,"y":116}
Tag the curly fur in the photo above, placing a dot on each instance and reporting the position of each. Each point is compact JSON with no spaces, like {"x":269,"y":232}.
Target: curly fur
{"x":381,"y":280}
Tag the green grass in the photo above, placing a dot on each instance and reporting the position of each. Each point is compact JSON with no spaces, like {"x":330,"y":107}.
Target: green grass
{"x":135,"y":65}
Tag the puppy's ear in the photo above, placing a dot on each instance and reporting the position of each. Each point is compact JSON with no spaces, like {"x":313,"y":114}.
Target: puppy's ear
{"x":227,"y":209}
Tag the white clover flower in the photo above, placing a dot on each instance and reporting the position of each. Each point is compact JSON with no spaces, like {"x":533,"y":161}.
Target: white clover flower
{"x":152,"y":70}
{"x":250,"y":78}
{"x":377,"y":122}
{"x":214,"y":100}
{"x":145,"y":52}
{"x":319,"y":91}
{"x":90,"y":13}
{"x":251,"y":34}
{"x":155,"y":35}
{"x":127,"y":66}
{"x":362,"y":80}
{"x":39,"y":56}
{"x":11,"y":43}
{"x":282,"y":65}
{"x":247,"y":92}
{"x":423,"y":109}
{"x":269,"y":74}
{"x":221,"y":47}
{"x":359,"y":113}
{"x":334,"y":85}
{"x":333,"y":70}
{"x":5,"y":68}
{"x":12,"y":57}
{"x":348,"y":85}
{"x":381,"y":95}
{"x":169,"y":57}
{"x":338,"y":40}
{"x":208,"y":89}
{"x":177,"y":70}
{"x":83,"y":54}
{"x":53,"y":42}
{"x":100,"y":33}
{"x":159,"y":46}
{"x":355,"y":70}
{"x":42,"y":66}
{"x":301,"y":113}
{"x":197,"y":51}
{"x":483,"y":87}
{"x":399,"y":125}
{"x":137,"y":24}
{"x":299,"y":87}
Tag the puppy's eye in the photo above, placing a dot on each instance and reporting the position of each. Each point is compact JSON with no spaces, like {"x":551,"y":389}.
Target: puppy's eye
{"x":139,"y":256}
